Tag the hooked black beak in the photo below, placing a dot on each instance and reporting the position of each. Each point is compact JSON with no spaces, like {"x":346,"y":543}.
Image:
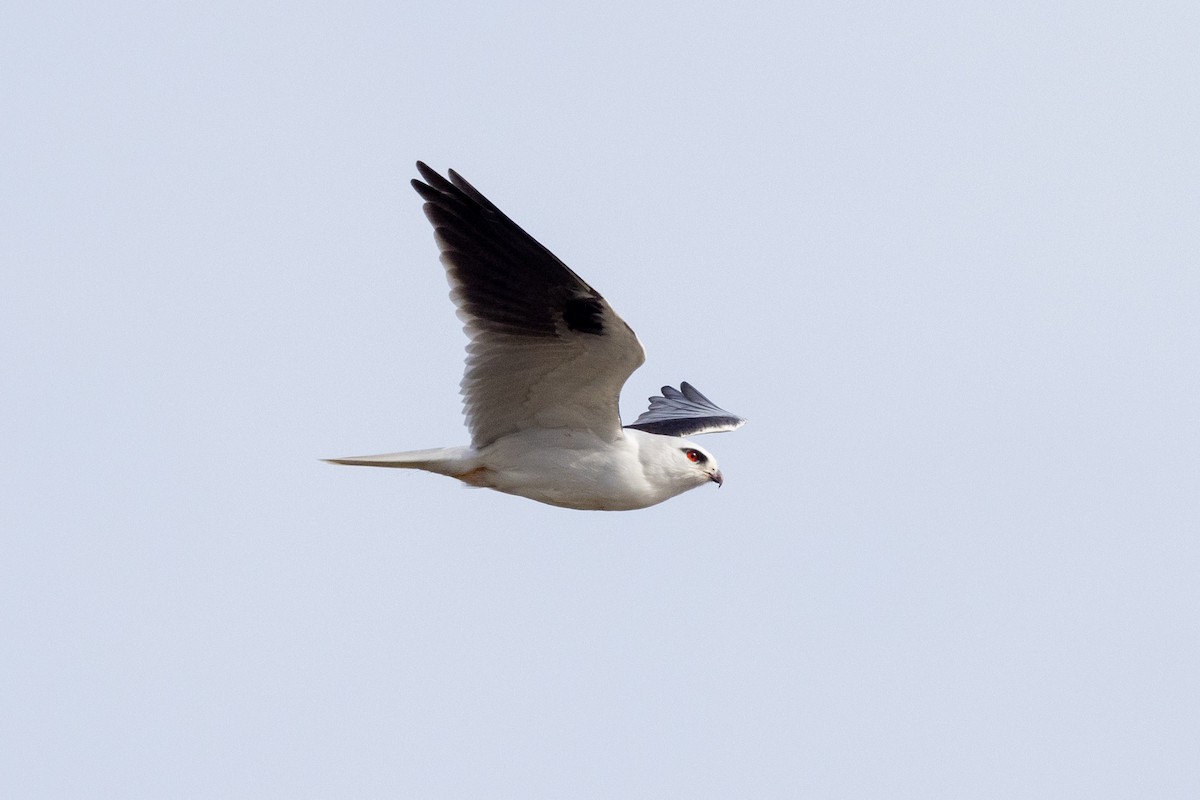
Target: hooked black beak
{"x":716,"y":477}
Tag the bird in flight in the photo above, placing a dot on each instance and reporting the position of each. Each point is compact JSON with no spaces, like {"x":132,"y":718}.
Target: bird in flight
{"x":546,"y":359}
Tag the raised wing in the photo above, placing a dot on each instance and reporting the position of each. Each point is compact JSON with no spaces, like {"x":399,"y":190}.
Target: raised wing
{"x":546,"y":350}
{"x":685,"y":412}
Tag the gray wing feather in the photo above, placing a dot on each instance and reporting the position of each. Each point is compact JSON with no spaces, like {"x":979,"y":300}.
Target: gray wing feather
{"x":685,"y":412}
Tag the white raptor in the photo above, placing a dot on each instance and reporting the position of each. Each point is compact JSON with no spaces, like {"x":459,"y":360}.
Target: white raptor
{"x":546,"y":361}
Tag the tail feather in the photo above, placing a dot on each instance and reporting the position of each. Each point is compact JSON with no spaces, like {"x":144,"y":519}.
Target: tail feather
{"x":442,"y":460}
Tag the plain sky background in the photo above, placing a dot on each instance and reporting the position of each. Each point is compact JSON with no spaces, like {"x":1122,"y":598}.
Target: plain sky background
{"x":944,"y":256}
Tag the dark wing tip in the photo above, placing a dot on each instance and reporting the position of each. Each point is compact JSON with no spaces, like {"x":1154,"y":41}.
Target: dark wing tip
{"x":427,"y":172}
{"x":451,"y":184}
{"x":504,"y":279}
{"x":432,"y":185}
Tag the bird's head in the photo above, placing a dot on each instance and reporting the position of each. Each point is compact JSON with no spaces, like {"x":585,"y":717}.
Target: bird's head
{"x":697,"y":464}
{"x":671,"y":465}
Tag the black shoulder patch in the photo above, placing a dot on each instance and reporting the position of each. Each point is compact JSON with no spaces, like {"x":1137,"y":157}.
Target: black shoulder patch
{"x":584,"y":314}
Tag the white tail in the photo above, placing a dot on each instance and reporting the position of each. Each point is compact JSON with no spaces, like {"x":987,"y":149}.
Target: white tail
{"x":452,"y":461}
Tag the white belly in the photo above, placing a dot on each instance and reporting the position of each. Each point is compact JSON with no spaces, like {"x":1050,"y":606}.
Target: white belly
{"x":572,"y":469}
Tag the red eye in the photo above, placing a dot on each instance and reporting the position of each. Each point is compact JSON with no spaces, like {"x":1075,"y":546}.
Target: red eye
{"x":693,"y":456}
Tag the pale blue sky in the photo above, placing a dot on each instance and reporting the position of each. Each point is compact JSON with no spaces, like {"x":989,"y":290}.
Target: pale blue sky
{"x":945,"y":257}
